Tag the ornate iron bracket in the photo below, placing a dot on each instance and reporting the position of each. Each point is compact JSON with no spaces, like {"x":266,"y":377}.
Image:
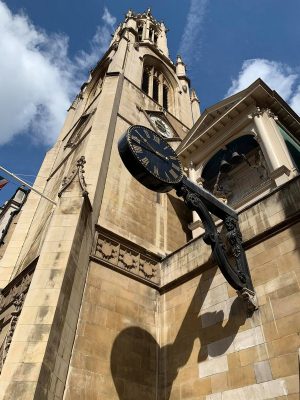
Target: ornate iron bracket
{"x":204,"y":203}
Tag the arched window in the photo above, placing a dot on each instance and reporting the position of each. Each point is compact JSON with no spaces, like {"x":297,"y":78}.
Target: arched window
{"x":146,"y":33}
{"x":140,"y":33}
{"x":156,"y":85}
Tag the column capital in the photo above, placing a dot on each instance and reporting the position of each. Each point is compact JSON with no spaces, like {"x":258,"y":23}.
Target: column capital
{"x":260,"y":111}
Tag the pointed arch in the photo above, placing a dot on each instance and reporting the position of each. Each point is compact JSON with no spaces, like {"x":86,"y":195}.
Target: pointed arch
{"x":158,"y":82}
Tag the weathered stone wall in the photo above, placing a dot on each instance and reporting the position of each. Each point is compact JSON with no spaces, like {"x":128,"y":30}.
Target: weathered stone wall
{"x":156,"y":222}
{"x":115,"y":354}
{"x":211,"y":350}
{"x":191,"y":338}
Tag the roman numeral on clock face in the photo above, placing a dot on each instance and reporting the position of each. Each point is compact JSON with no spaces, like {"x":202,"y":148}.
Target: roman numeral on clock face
{"x":136,"y":139}
{"x":155,"y":170}
{"x":157,"y":139}
{"x":146,"y":133}
{"x":172,"y":157}
{"x":173,"y":173}
{"x":176,"y":167}
{"x":145,"y":161}
{"x":137,"y":148}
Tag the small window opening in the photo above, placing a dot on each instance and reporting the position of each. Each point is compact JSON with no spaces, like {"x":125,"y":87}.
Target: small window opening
{"x":155,"y":88}
{"x":140,"y":33}
{"x":145,"y":83}
{"x":165,"y":97}
{"x":151,"y":34}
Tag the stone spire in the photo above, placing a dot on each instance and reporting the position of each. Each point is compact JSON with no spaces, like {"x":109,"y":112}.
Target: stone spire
{"x":180,"y":68}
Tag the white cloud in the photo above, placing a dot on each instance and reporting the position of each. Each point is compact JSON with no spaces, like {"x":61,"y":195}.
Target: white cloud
{"x":295,"y":100}
{"x":37,"y":77}
{"x":190,"y":43}
{"x":99,"y":42}
{"x":278,"y":76}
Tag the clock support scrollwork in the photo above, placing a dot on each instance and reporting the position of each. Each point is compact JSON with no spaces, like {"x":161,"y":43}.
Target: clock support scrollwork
{"x":205,"y":204}
{"x":153,"y":162}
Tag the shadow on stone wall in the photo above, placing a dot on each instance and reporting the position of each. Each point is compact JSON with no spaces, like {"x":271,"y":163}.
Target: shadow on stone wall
{"x":141,"y":369}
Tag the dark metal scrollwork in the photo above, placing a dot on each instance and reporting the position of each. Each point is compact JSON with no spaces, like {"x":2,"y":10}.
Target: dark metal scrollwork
{"x":237,"y":275}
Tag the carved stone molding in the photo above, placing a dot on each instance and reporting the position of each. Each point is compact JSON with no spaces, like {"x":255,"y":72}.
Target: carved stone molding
{"x":77,"y":171}
{"x":11,"y":301}
{"x":115,"y":46}
{"x":124,"y":255}
{"x":260,"y":111}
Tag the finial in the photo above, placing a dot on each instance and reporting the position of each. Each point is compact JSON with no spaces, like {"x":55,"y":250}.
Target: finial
{"x":194,"y":96}
{"x":179,"y":59}
{"x":148,"y":12}
{"x":129,"y":13}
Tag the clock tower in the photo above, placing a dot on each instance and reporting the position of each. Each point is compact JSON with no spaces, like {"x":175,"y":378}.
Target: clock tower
{"x":103,"y":295}
{"x":101,"y":223}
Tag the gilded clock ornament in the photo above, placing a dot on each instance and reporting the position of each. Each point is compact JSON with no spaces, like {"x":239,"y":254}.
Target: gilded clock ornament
{"x":150,"y":159}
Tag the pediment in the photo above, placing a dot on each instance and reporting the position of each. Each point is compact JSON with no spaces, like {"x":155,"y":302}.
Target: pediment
{"x":214,"y":118}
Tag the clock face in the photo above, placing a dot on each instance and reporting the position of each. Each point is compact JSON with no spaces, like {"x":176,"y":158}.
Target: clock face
{"x":163,"y":128}
{"x":150,"y":159}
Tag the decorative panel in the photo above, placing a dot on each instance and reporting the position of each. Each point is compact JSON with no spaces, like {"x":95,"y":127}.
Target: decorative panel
{"x":123,"y":255}
{"x":11,"y":302}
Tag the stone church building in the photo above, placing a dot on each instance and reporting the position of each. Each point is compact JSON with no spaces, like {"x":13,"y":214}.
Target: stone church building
{"x":109,"y":291}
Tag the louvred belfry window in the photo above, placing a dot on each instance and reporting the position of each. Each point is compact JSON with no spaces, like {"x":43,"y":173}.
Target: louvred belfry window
{"x":145,"y":82}
{"x":155,"y":88}
{"x":165,"y":97}
{"x":155,"y":85}
{"x":140,"y":33}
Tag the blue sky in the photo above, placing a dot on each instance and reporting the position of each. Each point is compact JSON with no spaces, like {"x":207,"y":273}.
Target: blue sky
{"x":47,"y":48}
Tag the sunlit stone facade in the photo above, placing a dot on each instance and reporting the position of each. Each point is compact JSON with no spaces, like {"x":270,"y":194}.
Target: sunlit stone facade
{"x":112,"y":292}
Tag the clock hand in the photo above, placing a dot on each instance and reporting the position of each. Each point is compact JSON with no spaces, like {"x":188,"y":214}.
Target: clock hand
{"x":150,"y":148}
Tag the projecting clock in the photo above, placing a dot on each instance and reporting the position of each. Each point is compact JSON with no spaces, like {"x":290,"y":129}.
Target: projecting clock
{"x":150,"y":159}
{"x":162,"y":127}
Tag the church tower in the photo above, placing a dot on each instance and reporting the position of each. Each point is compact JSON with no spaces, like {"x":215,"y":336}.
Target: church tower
{"x":105,"y":295}
{"x":100,"y":226}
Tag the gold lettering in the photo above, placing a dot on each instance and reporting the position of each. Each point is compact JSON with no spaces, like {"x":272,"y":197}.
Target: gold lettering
{"x":137,"y":148}
{"x":145,"y":161}
{"x":146,"y":133}
{"x":157,"y":139}
{"x":136,"y":139}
